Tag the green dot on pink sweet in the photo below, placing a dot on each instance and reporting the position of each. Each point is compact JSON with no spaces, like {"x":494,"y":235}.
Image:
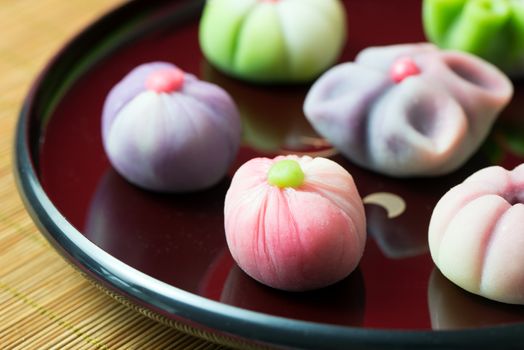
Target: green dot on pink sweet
{"x":286,"y":173}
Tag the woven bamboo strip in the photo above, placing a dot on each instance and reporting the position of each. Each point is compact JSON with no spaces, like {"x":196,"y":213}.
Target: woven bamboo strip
{"x":56,"y":285}
{"x":148,"y":336}
{"x":118,"y":334}
{"x":11,"y":237}
{"x":164,"y":340}
{"x":76,"y":303}
{"x":95,"y":325}
{"x":15,"y":223}
{"x":23,"y":229}
{"x":41,"y":295}
{"x":19,"y":262}
{"x":67,"y":299}
{"x":13,"y":212}
{"x":58,"y":338}
{"x":70,"y":297}
{"x":20,"y":255}
{"x":122,"y":338}
{"x":24,"y":332}
{"x":6,"y":181}
{"x":27,"y":281}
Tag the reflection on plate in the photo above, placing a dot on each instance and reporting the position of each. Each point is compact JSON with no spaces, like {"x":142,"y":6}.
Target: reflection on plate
{"x":342,"y":303}
{"x":454,"y":308}
{"x":272,"y":118}
{"x":396,"y":239}
{"x":154,"y":233}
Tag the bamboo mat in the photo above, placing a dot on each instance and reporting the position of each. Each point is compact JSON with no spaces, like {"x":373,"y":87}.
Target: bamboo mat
{"x":44,"y":303}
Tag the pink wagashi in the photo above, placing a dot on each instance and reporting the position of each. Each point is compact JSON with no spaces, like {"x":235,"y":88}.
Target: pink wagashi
{"x":408,"y":110}
{"x":476,"y":234}
{"x":295,"y":223}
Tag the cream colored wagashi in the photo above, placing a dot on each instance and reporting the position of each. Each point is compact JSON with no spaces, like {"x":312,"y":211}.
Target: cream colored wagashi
{"x":476,"y":234}
{"x":295,"y":223}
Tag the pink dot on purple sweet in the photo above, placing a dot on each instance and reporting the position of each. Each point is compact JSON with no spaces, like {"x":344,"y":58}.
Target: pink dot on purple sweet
{"x":403,"y":68}
{"x":165,"y":80}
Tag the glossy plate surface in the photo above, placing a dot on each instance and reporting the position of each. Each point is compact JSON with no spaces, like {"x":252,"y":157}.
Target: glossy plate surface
{"x":168,"y":253}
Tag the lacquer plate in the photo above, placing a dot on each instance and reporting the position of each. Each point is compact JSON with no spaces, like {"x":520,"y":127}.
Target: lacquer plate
{"x":165,"y":254}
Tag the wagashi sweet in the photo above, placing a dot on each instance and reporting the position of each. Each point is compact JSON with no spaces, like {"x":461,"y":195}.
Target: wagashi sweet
{"x":408,"y":110}
{"x":476,"y":234}
{"x":294,"y":223}
{"x":273,"y":41}
{"x":491,"y":29}
{"x":165,"y":130}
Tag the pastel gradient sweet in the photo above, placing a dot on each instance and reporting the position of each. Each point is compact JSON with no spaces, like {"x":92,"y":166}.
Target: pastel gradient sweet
{"x":273,"y":41}
{"x":165,"y":130}
{"x":295,"y":223}
{"x":476,"y":234}
{"x":408,"y":110}
{"x":491,"y":29}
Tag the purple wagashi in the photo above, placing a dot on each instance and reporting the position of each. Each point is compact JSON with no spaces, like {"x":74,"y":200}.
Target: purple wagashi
{"x":165,"y":130}
{"x":408,"y":110}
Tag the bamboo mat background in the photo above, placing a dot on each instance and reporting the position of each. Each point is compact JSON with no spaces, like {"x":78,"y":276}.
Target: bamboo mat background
{"x":44,"y":303}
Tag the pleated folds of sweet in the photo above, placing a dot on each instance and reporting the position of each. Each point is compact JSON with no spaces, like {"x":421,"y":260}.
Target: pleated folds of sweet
{"x":476,"y":234}
{"x":300,"y":237}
